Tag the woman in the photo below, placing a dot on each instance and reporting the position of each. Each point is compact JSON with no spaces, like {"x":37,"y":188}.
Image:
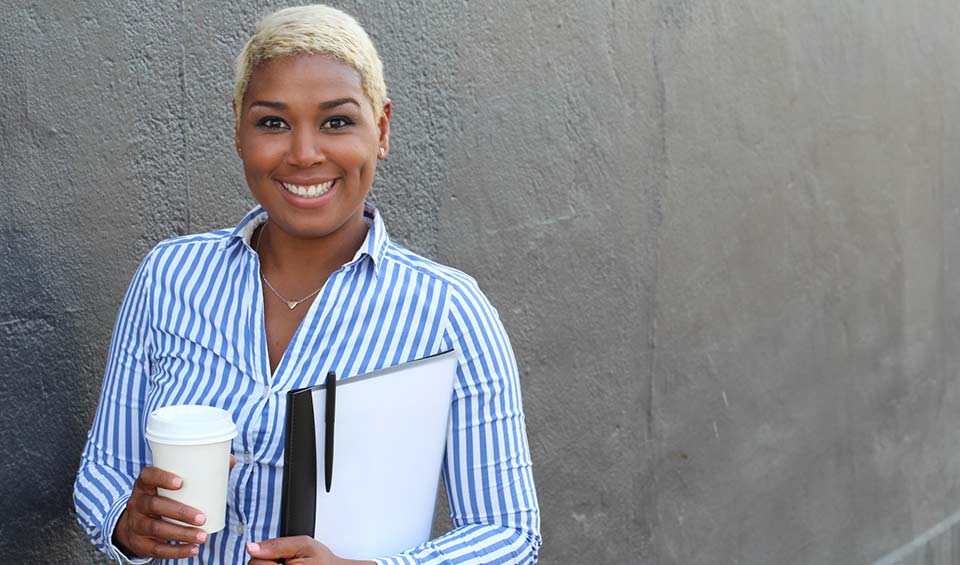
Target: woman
{"x":309,"y":281}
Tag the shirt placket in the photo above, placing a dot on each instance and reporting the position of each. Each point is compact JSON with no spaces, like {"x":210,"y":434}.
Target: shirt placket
{"x":257,"y":364}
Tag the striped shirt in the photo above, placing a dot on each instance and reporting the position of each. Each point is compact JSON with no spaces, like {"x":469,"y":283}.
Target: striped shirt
{"x":191,"y":331}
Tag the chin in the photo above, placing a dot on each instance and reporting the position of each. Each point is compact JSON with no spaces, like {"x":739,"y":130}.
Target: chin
{"x":303,"y":226}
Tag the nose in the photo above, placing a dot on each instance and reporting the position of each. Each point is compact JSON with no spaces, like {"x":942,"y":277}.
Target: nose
{"x":305,"y":149}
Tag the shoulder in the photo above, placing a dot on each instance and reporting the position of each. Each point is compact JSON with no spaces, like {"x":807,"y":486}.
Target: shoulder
{"x":465,"y":303}
{"x":182,"y":250}
{"x":210,"y":238}
{"x":456,"y":282}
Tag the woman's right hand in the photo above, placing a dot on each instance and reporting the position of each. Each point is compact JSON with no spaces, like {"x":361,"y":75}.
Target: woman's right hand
{"x":140,"y":532}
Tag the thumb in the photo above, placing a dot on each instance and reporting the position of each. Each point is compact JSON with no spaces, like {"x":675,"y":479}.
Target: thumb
{"x":282,"y":548}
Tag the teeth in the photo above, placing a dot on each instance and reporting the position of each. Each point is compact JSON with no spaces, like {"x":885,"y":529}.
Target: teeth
{"x":311,"y":191}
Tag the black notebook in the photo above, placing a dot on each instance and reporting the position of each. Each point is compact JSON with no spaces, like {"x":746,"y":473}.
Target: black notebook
{"x":390,"y":431}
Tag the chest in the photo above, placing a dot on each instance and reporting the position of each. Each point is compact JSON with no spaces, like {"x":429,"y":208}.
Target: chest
{"x":236,"y":340}
{"x":280,"y":323}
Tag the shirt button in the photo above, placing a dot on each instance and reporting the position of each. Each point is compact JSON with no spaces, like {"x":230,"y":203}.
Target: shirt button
{"x":240,"y":530}
{"x":266,"y":391}
{"x":247,"y":458}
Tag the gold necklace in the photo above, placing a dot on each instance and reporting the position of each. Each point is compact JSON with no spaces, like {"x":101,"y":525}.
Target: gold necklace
{"x":290,"y":303}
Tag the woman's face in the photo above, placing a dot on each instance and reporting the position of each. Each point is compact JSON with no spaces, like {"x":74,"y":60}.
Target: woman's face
{"x":309,"y":142}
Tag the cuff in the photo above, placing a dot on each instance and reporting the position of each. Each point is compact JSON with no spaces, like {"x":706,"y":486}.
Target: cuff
{"x":401,"y":559}
{"x":110,"y":524}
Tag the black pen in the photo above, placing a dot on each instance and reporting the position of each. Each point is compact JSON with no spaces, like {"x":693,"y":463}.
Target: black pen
{"x":328,"y":431}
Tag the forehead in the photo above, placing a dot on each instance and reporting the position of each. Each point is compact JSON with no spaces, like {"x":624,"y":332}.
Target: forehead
{"x":306,"y":78}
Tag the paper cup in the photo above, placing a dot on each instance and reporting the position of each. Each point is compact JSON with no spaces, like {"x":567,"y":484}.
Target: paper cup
{"x":193,"y":442}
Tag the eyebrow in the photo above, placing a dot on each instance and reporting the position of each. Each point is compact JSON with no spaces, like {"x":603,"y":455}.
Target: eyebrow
{"x":338,"y":102}
{"x":323,"y":105}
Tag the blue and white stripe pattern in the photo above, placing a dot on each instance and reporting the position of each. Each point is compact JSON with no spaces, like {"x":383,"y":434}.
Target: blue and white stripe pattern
{"x":191,"y":331}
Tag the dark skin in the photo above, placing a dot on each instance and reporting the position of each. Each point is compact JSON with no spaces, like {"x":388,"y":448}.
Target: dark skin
{"x":140,"y":530}
{"x":280,"y":322}
{"x":300,"y":550}
{"x":306,"y":122}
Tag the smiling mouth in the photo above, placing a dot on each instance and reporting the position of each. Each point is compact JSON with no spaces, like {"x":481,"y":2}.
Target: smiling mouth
{"x":308,"y":191}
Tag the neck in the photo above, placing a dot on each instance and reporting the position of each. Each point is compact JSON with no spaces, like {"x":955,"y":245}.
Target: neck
{"x":302,"y":264}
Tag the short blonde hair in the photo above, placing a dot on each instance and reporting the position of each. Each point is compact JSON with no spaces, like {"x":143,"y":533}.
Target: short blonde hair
{"x":313,"y":30}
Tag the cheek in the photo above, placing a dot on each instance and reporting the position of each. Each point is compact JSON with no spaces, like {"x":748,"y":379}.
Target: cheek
{"x":366,"y":169}
{"x":355,"y":157}
{"x":262,"y":155}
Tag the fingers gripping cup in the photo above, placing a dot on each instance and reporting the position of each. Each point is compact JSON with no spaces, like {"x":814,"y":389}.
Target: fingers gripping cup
{"x":193,"y":442}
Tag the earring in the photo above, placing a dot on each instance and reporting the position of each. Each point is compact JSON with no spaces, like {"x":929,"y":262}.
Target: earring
{"x":382,"y":152}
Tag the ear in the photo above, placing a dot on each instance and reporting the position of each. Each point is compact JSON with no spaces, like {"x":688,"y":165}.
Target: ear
{"x":384,"y":126}
{"x":236,"y":130}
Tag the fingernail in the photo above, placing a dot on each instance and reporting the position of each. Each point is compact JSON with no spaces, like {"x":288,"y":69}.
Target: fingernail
{"x":200,"y":519}
{"x":253,"y":547}
{"x":194,"y":550}
{"x":202,"y":537}
{"x":177,"y":483}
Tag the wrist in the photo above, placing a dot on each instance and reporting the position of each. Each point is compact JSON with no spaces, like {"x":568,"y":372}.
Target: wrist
{"x":118,"y":539}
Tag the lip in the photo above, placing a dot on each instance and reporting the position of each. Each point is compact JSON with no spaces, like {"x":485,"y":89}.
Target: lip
{"x":307,"y":181}
{"x":304,"y":201}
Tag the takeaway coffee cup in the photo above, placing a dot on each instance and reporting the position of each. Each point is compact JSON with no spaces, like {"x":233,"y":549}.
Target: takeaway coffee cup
{"x":193,"y":442}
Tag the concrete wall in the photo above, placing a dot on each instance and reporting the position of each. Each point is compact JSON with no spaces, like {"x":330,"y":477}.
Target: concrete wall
{"x":722,"y":234}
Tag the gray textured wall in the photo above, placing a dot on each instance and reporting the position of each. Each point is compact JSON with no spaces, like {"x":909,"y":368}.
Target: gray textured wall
{"x":722,"y":235}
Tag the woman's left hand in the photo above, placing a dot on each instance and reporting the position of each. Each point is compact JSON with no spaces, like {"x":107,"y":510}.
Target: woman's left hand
{"x":300,"y":550}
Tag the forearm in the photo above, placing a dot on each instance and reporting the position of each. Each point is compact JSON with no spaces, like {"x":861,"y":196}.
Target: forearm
{"x":487,"y":468}
{"x":115,"y":451}
{"x":472,"y":544}
{"x":100,"y":496}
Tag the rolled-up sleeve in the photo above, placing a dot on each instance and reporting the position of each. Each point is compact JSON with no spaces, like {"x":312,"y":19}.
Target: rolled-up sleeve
{"x":487,"y":467}
{"x":116,"y":451}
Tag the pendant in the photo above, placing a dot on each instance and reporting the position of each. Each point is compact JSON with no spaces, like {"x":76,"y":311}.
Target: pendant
{"x":292,"y":304}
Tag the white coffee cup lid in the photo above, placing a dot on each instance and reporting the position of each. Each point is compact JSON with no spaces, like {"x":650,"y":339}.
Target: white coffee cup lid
{"x":189,"y":424}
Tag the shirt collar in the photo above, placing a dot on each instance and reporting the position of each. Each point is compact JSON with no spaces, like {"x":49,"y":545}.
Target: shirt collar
{"x":374,"y":244}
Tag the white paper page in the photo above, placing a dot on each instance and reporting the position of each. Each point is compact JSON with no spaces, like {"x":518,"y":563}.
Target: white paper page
{"x":390,"y":433}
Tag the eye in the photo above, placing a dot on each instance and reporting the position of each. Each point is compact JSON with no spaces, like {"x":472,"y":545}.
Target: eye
{"x":336,"y":122}
{"x":272,"y":122}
